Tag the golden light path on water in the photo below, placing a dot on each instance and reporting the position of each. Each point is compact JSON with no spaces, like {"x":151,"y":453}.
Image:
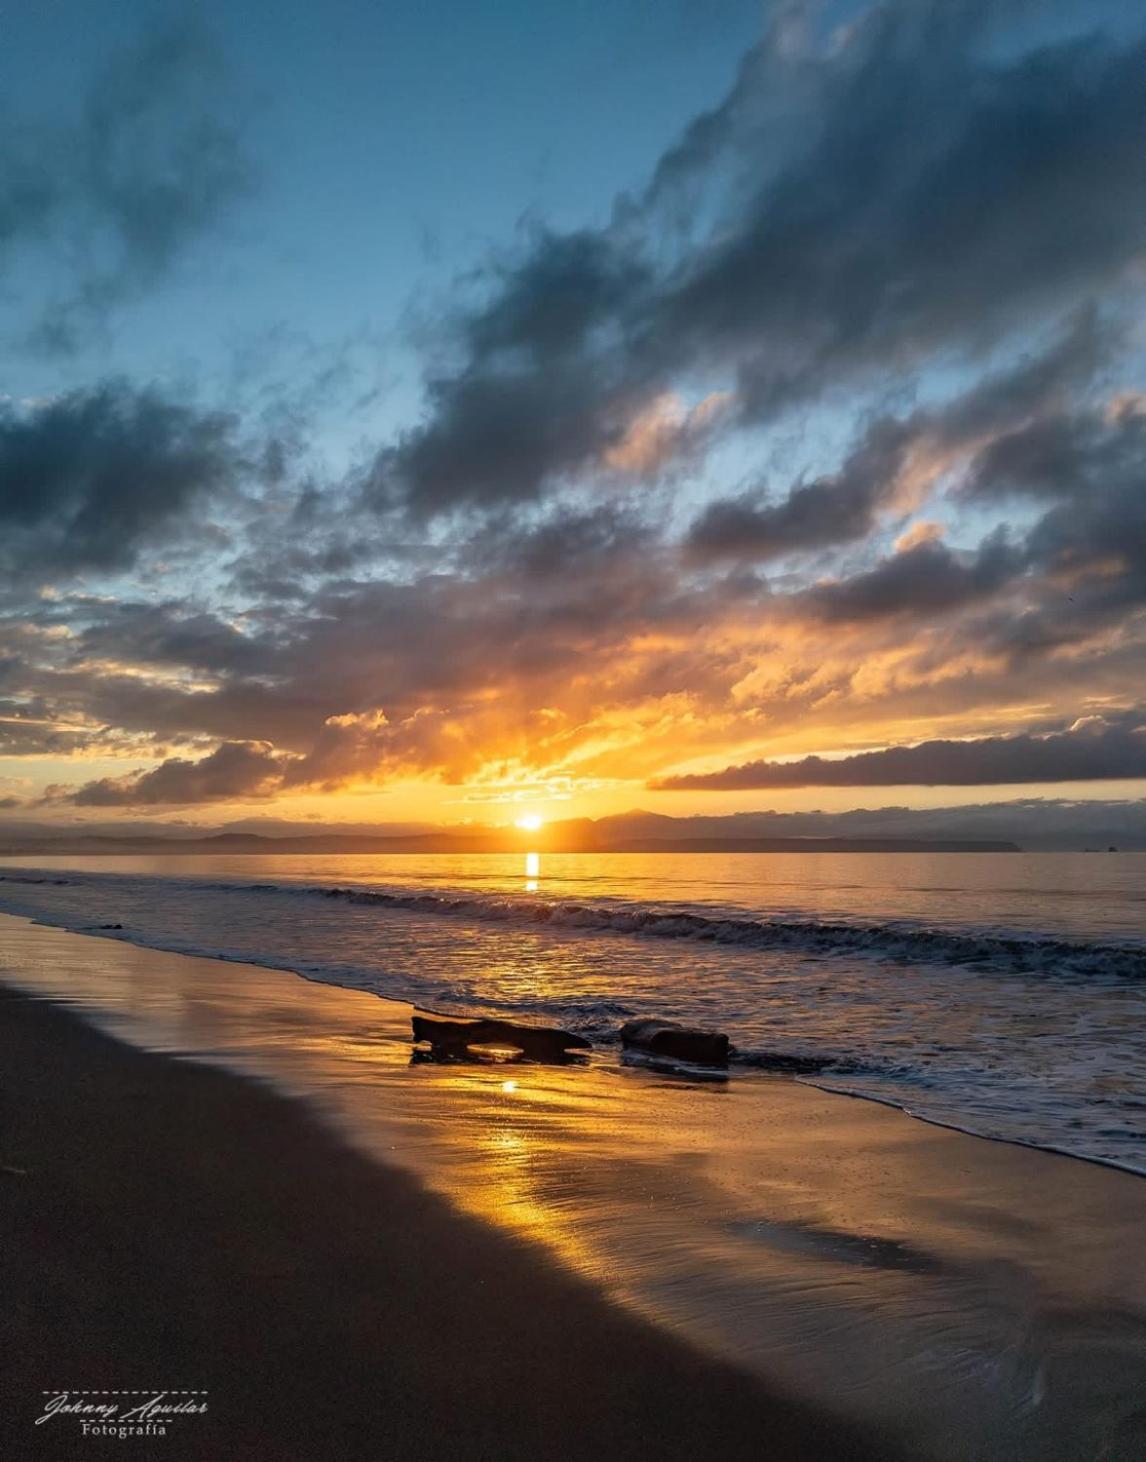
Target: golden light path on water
{"x":1005,"y":995}
{"x":951,"y":1287}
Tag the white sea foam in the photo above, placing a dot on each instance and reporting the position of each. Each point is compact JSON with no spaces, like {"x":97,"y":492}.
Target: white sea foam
{"x":1021,"y":1035}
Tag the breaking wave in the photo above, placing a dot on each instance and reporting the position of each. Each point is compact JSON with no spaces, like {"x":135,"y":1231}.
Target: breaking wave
{"x":1031,"y":1037}
{"x":889,"y":941}
{"x":896,"y":942}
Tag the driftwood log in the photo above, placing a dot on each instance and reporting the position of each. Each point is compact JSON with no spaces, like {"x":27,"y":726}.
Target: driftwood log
{"x":676,"y":1042}
{"x":453,"y":1038}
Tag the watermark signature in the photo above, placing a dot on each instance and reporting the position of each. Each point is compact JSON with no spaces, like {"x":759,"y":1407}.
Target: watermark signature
{"x":119,"y":1413}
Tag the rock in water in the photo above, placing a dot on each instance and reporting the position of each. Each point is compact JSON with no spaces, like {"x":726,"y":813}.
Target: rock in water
{"x":677,"y":1042}
{"x":535,"y":1042}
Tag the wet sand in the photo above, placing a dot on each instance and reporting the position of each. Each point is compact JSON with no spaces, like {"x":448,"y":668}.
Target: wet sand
{"x":166,"y":1225}
{"x":957,"y":1297}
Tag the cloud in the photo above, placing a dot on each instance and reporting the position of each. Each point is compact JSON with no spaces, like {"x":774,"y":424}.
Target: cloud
{"x":235,"y":771}
{"x":920,"y":213}
{"x":666,"y":431}
{"x":1091,"y":750}
{"x":87,"y":479}
{"x":1081,"y":561}
{"x":173,"y":633}
{"x":834,"y":509}
{"x":930,"y":191}
{"x":538,"y":392}
{"x":917,"y":535}
{"x":22,"y":734}
{"x":1086,"y":471}
{"x":114,"y":200}
{"x":924,"y":578}
{"x":545,"y":579}
{"x":897,"y":460}
{"x":568,"y":540}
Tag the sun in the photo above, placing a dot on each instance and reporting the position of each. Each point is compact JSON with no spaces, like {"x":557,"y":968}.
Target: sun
{"x":530,"y":823}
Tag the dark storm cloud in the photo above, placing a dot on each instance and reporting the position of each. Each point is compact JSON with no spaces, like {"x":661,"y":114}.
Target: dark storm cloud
{"x":88,"y":479}
{"x":152,"y":163}
{"x":235,"y":770}
{"x":1092,"y":750}
{"x":937,"y":193}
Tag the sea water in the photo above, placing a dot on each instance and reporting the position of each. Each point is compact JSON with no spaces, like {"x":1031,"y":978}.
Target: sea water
{"x":1001,"y":993}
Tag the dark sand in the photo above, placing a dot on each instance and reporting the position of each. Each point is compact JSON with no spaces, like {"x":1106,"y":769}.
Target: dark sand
{"x":175,"y":1226}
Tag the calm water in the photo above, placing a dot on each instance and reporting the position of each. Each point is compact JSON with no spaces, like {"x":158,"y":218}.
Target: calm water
{"x":1001,"y":993}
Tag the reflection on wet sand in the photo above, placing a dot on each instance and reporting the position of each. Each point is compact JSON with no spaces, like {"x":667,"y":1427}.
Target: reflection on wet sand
{"x":986,"y":1299}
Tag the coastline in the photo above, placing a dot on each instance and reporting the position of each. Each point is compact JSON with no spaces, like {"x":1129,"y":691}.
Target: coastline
{"x":914,"y":1004}
{"x":170,"y":1225}
{"x":960,"y":1296}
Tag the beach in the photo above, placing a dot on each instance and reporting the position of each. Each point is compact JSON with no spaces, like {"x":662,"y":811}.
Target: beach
{"x":168,"y":1226}
{"x":413,"y":1260}
{"x":572,"y":733}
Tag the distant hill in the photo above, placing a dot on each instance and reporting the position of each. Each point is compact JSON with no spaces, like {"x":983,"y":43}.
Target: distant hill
{"x":1034,"y":824}
{"x":628,"y":833}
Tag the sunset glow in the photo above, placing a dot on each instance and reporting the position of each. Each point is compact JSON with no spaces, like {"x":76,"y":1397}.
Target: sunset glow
{"x":573,"y":600}
{"x":635,"y":517}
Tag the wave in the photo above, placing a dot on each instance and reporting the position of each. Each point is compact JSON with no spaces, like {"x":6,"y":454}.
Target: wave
{"x":1018,"y":1091}
{"x":888,"y":941}
{"x":893,"y":942}
{"x":36,"y":879}
{"x":902,"y":1084}
{"x":596,"y":1018}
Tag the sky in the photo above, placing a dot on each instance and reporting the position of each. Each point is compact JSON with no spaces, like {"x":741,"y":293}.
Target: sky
{"x":456,"y":413}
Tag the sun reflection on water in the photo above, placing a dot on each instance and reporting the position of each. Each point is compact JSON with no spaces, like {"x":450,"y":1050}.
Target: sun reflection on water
{"x":833,"y":1244}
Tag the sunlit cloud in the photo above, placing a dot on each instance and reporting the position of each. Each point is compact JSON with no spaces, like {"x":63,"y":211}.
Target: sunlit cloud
{"x":808,"y":458}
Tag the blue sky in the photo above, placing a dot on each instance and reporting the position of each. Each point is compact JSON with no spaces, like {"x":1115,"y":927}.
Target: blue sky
{"x":442,"y":408}
{"x":393,"y":147}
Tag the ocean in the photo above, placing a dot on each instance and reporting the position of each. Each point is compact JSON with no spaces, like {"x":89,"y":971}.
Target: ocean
{"x":1003,"y":994}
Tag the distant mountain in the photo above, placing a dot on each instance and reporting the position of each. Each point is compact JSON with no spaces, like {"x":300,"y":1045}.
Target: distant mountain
{"x":1032,"y":823}
{"x":629,"y":833}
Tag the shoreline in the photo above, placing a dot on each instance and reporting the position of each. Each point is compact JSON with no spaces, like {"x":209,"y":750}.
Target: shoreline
{"x":754,"y":1054}
{"x":826,"y":1248}
{"x":737,"y":1069}
{"x":906,"y":1111}
{"x":167,"y":1224}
